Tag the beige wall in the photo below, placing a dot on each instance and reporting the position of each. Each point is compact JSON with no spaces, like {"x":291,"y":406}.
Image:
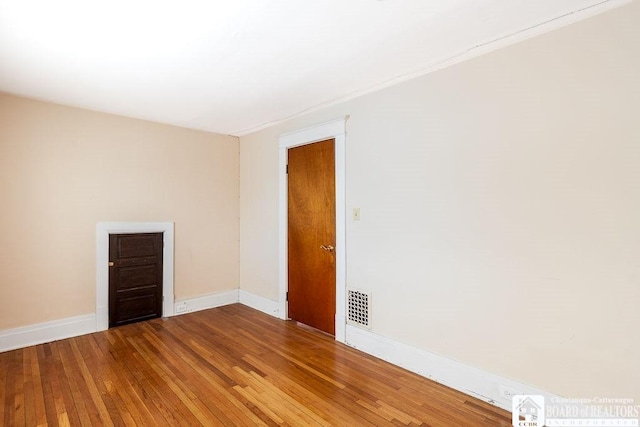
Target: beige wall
{"x":500,"y":203}
{"x":62,"y":170}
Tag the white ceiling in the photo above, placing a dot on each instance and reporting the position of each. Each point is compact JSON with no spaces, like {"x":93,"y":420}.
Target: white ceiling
{"x":233,"y":66}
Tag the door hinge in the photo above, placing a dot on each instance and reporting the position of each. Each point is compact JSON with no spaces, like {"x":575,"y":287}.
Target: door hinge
{"x":287,"y":168}
{"x":286,"y":298}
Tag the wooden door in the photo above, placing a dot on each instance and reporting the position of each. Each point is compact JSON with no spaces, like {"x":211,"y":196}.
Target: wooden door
{"x":312,"y":235}
{"x":135,"y":277}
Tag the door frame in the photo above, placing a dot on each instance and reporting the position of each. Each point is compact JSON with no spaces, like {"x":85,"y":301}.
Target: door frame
{"x":103,"y":229}
{"x":335,"y":129}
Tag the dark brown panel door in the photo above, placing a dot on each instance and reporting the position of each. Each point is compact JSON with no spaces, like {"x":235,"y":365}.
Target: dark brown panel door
{"x":135,"y":277}
{"x":312,"y":235}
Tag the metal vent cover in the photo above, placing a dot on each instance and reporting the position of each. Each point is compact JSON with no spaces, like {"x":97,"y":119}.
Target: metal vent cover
{"x":359,"y":308}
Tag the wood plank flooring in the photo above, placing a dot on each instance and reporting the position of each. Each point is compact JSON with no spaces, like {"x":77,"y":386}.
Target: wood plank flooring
{"x":230,"y":366}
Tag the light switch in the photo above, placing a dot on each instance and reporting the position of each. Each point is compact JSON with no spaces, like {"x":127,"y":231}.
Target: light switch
{"x":356,"y":214}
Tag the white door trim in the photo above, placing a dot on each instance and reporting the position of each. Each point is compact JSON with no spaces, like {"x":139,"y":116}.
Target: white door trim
{"x":103,"y":229}
{"x":335,"y":129}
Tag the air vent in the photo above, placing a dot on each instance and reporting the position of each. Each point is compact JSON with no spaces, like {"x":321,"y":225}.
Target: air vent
{"x":358,"y":308}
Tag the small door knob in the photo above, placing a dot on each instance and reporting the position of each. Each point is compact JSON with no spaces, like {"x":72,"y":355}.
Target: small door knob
{"x":111,"y":263}
{"x":327,"y":248}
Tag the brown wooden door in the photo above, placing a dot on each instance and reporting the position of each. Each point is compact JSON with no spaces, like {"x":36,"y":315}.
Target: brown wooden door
{"x":135,"y":277}
{"x":312,"y":235}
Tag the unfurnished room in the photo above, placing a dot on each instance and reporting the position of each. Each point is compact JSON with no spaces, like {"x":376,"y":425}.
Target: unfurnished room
{"x":320,"y":213}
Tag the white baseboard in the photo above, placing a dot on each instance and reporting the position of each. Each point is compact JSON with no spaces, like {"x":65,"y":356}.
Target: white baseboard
{"x":40,"y":333}
{"x":259,"y":303}
{"x":467,"y":379}
{"x":188,"y":305}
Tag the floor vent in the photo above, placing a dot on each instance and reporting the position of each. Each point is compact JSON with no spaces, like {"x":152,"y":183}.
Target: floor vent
{"x":358,"y":308}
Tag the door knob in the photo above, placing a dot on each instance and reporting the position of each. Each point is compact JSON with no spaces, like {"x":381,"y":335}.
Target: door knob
{"x":327,"y":248}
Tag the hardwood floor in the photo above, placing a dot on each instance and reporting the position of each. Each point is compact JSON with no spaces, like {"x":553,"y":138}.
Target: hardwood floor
{"x":225,"y":366}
